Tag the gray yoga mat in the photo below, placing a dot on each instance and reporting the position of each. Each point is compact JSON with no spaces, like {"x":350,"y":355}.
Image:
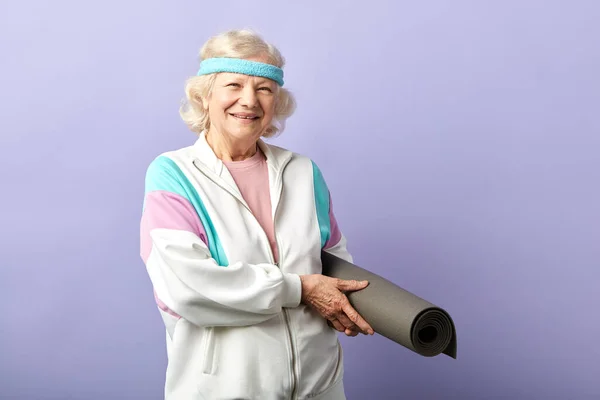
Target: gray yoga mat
{"x":395,"y":313}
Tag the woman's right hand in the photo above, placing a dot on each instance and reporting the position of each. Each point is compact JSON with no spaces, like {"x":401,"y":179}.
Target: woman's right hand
{"x":326,"y":296}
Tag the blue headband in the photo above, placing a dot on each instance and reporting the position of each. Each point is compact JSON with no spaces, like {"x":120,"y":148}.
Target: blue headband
{"x":240,"y":66}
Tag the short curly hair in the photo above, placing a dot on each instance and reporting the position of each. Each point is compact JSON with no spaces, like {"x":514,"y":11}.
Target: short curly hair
{"x":234,"y":44}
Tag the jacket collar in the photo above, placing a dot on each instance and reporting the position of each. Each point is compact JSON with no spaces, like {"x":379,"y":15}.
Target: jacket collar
{"x":277,"y":157}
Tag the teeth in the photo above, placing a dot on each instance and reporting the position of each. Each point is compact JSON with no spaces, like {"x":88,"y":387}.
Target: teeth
{"x":242,"y":116}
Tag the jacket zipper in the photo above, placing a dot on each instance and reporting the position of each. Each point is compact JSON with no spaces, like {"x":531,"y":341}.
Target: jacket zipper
{"x":285,"y":313}
{"x":270,"y":252}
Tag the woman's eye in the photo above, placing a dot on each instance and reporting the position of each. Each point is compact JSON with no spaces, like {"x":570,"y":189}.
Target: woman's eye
{"x":266,"y":88}
{"x":234,"y":84}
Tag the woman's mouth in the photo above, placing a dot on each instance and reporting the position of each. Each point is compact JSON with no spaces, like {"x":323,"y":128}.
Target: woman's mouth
{"x":245,"y":117}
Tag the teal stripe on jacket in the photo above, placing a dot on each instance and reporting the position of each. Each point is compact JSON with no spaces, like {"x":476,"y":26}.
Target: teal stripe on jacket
{"x":164,"y":174}
{"x":322,"y":204}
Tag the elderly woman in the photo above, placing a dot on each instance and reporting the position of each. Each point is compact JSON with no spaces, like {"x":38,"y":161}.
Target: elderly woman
{"x":231,"y":234}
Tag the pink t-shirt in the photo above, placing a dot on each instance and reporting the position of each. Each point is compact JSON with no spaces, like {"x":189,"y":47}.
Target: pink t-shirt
{"x":252,"y":178}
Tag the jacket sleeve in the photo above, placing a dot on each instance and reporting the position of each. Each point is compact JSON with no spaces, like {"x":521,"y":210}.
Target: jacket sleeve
{"x":333,"y":240}
{"x":188,"y":281}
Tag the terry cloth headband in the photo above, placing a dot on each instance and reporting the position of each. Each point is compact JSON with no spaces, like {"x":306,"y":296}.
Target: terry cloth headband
{"x":241,"y":66}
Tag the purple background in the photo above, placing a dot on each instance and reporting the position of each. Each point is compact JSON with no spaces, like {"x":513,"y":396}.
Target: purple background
{"x":461,"y":141}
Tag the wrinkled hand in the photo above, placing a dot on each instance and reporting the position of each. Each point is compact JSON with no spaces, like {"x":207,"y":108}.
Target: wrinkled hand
{"x":326,"y":296}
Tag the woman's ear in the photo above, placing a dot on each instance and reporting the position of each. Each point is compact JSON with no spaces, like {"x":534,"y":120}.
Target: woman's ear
{"x":200,"y":99}
{"x":206,"y":100}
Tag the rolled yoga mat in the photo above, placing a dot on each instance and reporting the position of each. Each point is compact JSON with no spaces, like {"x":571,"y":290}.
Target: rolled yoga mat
{"x":395,"y":313}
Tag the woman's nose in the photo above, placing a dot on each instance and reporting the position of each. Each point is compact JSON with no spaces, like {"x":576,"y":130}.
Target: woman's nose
{"x":248,"y":97}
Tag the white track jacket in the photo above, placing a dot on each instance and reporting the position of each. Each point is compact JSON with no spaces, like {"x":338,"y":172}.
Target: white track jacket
{"x":235,"y":326}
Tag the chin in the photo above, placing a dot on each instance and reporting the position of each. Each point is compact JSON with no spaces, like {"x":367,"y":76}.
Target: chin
{"x":246,"y":132}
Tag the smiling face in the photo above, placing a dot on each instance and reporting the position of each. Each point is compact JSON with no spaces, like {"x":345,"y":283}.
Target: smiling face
{"x":241,"y":107}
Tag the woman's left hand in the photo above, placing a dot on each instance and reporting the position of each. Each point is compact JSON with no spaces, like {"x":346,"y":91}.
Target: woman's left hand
{"x":327,"y":296}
